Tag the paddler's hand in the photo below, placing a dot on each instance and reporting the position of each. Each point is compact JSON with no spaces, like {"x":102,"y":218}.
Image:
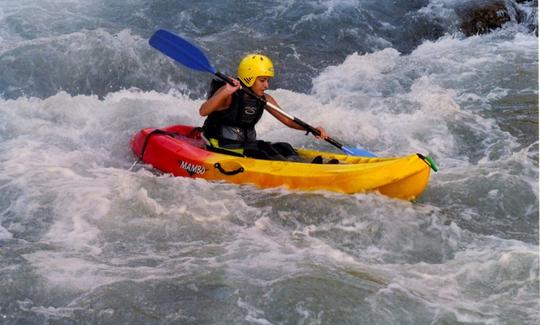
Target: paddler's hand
{"x":323,"y":134}
{"x":229,"y":90}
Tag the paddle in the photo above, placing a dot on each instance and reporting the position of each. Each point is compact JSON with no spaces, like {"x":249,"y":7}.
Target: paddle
{"x":192,"y":57}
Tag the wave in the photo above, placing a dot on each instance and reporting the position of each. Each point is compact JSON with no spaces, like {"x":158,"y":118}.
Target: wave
{"x":96,"y":49}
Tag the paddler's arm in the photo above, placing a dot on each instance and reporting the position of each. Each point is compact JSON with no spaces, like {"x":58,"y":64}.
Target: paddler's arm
{"x":220,"y":100}
{"x":288,"y":122}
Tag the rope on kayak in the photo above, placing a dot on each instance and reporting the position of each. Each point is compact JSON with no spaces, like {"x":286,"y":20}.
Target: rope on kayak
{"x":154,"y":132}
{"x":231,"y":172}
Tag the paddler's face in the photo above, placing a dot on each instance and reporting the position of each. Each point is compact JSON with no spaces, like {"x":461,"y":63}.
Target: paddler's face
{"x":260,"y":85}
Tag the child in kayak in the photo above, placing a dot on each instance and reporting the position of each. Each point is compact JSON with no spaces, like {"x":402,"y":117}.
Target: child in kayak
{"x":232,"y":114}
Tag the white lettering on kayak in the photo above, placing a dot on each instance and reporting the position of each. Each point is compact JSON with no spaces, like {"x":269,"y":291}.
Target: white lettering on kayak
{"x":192,"y":169}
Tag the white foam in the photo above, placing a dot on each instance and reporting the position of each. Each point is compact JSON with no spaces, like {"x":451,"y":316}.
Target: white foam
{"x":60,"y":153}
{"x":473,"y":285}
{"x":5,"y":234}
{"x":394,"y":104}
{"x":358,"y":72}
{"x":71,"y":272}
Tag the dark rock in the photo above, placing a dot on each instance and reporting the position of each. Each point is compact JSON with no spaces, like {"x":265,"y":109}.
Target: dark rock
{"x":481,"y":17}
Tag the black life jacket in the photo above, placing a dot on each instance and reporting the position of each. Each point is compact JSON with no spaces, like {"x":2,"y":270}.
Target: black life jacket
{"x":237,"y":122}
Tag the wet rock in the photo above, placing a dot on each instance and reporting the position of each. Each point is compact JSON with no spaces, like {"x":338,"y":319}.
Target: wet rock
{"x":481,"y":17}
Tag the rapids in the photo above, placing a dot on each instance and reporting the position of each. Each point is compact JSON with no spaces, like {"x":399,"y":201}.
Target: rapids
{"x":85,"y":240}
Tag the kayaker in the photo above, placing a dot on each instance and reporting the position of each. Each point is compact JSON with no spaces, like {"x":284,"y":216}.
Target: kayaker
{"x":232,"y":114}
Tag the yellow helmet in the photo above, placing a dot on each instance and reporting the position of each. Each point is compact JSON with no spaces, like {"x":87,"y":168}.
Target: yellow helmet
{"x":253,"y":66}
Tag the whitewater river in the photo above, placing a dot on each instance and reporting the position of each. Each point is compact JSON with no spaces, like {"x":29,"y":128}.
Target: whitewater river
{"x":85,"y":240}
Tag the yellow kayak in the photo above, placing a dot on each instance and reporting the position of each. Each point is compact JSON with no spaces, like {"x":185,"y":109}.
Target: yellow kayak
{"x":181,"y":151}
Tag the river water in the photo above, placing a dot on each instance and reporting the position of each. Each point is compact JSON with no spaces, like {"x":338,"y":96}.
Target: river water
{"x":85,"y":240}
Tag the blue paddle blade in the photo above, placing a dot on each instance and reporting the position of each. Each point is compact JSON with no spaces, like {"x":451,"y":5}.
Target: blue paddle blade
{"x":181,"y":51}
{"x":357,"y":152}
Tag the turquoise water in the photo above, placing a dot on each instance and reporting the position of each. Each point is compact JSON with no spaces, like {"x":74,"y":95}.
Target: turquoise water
{"x":85,"y":240}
